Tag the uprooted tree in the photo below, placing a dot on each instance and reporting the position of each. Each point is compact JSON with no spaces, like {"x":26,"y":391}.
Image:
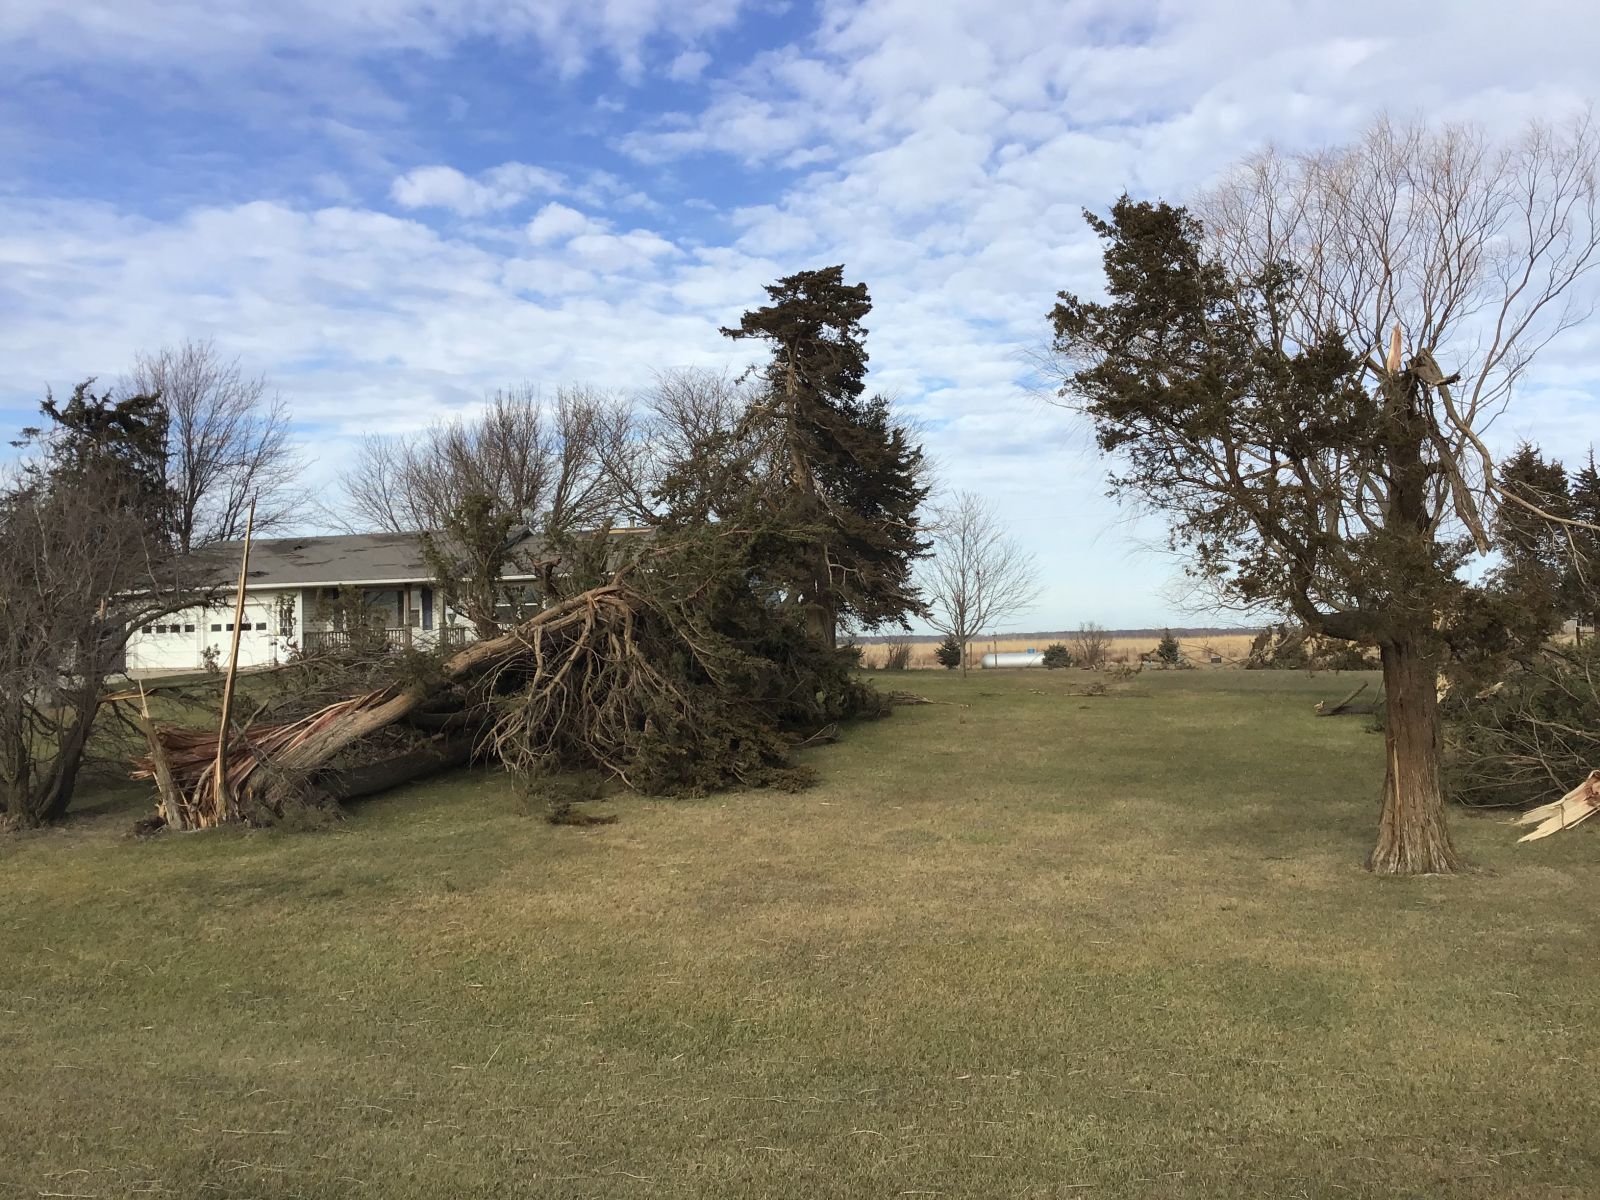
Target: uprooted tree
{"x":1302,"y":383}
{"x":693,"y":656}
{"x":672,"y":674}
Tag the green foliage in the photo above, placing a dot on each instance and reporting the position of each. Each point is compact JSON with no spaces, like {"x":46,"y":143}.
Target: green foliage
{"x":1222,"y":423}
{"x":1532,"y":736}
{"x":117,"y":447}
{"x":837,"y":464}
{"x":468,"y":558}
{"x":1549,"y":570}
{"x":1056,"y":656}
{"x":685,"y":675}
{"x":85,"y":539}
{"x":949,"y":653}
{"x":1167,"y":650}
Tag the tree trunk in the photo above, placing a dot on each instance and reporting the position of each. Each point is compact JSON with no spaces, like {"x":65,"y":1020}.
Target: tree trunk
{"x":1412,"y":836}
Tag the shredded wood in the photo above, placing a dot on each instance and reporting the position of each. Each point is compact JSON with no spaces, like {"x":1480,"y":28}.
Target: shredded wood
{"x":1577,"y":805}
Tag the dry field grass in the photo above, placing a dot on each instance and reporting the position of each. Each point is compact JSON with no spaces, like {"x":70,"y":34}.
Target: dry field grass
{"x":1232,"y":647}
{"x":1021,"y":943}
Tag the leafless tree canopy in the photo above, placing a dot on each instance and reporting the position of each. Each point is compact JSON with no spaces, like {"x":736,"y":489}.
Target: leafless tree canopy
{"x":228,"y":443}
{"x":1475,"y":250}
{"x":552,"y":460}
{"x":1090,"y":645}
{"x":978,"y":576}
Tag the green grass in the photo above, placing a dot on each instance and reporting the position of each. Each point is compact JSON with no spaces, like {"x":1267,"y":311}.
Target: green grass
{"x":1023,"y":944}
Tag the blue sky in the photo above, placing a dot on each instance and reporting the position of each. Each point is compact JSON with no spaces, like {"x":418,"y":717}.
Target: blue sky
{"x":392,"y":206}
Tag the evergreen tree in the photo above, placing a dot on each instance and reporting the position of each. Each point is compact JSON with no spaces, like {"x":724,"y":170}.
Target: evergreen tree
{"x":949,"y":653}
{"x":848,"y":478}
{"x":1167,"y":649}
{"x":1584,"y":490}
{"x":106,"y":444}
{"x":1536,"y":585}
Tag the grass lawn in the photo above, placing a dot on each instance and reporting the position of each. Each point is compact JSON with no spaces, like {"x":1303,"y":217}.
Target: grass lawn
{"x":1019,"y":944}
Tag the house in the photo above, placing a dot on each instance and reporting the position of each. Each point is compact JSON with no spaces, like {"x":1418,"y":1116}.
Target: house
{"x":289,"y":602}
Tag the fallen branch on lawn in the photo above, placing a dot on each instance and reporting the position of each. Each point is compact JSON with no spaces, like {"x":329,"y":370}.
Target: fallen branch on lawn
{"x":1343,"y":707}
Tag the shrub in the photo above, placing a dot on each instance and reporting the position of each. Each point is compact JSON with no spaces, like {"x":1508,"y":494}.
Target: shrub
{"x":1056,"y":656}
{"x":896,"y":655}
{"x":949,"y":653}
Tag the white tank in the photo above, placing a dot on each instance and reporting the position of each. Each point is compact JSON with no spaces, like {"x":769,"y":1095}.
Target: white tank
{"x":1013,"y":658}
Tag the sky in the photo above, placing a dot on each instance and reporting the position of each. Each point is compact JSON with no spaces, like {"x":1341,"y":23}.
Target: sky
{"x":391,"y":207}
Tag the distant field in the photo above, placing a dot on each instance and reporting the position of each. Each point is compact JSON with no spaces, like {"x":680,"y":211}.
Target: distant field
{"x":1019,"y":943}
{"x":1231,"y":647}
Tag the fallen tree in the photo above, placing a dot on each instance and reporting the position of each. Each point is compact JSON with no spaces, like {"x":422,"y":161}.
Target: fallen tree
{"x":666,"y":692}
{"x":1528,"y":738}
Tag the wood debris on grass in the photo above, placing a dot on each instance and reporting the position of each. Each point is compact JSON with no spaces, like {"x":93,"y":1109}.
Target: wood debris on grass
{"x":1346,"y":707}
{"x":181,"y":759}
{"x":1577,"y":805}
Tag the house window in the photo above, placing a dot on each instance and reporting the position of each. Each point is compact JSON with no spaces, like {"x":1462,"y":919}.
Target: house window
{"x":261,"y":626}
{"x":188,"y":628}
{"x":216,"y":629}
{"x":427,"y":608}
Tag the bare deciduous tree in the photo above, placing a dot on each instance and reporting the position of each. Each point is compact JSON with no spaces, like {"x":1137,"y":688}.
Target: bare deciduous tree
{"x":978,"y":575}
{"x":469,"y":484}
{"x":528,"y":456}
{"x":227,"y":443}
{"x":1090,"y":645}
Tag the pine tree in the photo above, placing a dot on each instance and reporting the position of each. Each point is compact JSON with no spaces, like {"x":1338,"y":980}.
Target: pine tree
{"x":851,"y":478}
{"x":1167,"y":649}
{"x":1584,"y":491}
{"x":949,"y":653}
{"x":107,"y":444}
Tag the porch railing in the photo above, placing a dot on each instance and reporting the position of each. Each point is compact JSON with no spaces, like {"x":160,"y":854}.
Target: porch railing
{"x":329,"y":641}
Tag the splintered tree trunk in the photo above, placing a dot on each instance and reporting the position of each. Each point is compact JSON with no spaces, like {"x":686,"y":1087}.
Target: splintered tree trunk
{"x":1412,"y":836}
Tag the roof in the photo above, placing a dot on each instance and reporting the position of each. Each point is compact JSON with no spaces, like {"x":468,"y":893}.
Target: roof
{"x":360,"y":558}
{"x":364,"y":559}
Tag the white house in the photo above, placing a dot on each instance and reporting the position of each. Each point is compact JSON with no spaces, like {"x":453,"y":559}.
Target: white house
{"x":288,"y":595}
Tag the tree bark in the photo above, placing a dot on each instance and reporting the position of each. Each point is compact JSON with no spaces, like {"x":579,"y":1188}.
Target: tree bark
{"x":1412,"y":836}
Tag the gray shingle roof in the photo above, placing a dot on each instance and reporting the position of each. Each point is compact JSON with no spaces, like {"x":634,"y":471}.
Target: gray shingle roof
{"x":365,"y":559}
{"x":370,"y":559}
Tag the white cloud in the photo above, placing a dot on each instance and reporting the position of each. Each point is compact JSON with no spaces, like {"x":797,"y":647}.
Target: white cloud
{"x":498,"y":188}
{"x":201,"y":35}
{"x":689,"y":66}
{"x":557,"y":222}
{"x":942,"y":152}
